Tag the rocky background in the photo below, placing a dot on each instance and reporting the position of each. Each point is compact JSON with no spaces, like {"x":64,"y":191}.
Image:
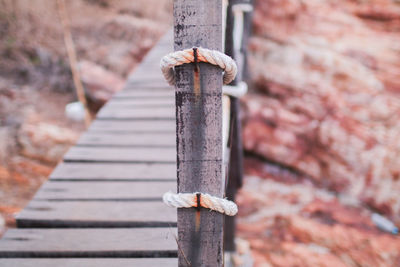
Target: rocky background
{"x":321,"y":131}
{"x":320,"y":126}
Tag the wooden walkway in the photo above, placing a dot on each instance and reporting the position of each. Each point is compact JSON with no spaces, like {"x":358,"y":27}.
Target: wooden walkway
{"x":102,"y":205}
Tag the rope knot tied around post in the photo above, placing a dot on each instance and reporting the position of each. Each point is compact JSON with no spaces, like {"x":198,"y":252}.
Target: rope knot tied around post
{"x":197,"y":54}
{"x":189,"y":200}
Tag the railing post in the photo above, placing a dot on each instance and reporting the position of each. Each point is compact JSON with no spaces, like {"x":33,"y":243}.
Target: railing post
{"x":235,"y":172}
{"x":199,"y":131}
{"x":247,"y":33}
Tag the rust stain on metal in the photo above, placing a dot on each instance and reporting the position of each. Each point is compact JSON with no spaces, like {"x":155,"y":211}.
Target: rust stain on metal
{"x":197,"y":226}
{"x":196,"y":78}
{"x":198,"y":198}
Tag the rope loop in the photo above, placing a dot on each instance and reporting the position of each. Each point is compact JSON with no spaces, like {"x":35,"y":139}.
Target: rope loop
{"x":189,"y":200}
{"x":214,"y":57}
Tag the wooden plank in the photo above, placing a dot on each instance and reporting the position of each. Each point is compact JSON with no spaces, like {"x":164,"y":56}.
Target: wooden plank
{"x":146,"y":102}
{"x":121,"y":154}
{"x":88,"y":262}
{"x":133,"y":139}
{"x":148,"y":106}
{"x":151,"y":71}
{"x":141,"y":103}
{"x":73,"y":243}
{"x":89,"y":214}
{"x":114,"y":172}
{"x":148,"y":72}
{"x":104,"y":190}
{"x":147,"y":93}
{"x":199,"y":106}
{"x":153,"y":57}
{"x":133,"y":126}
{"x":149,"y":85}
{"x":137,"y":113}
{"x":149,"y":67}
{"x":147,"y":75}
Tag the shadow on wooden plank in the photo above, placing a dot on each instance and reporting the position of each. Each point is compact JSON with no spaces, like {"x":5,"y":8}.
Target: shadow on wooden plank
{"x":121,"y":154}
{"x":76,"y":243}
{"x":89,"y":262}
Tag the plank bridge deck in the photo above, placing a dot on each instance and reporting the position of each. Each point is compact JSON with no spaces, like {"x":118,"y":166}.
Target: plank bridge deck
{"x":102,"y":205}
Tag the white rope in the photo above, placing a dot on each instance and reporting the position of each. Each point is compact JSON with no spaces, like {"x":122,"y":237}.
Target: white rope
{"x":188,"y":200}
{"x":214,"y":57}
{"x":235,"y":90}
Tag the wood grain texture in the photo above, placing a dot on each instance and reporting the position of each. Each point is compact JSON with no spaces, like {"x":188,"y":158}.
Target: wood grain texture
{"x":121,"y":154}
{"x":114,"y":171}
{"x":104,"y":190}
{"x":124,"y":242}
{"x":132,"y":139}
{"x":199,"y":130}
{"x":50,"y":214}
{"x":89,"y":262}
{"x":140,"y":126}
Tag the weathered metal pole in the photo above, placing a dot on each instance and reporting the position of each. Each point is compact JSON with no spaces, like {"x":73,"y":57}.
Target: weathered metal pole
{"x":199,"y":131}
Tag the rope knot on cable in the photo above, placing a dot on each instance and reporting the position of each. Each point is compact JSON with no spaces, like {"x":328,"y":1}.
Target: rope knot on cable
{"x":197,"y":54}
{"x":197,"y":200}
